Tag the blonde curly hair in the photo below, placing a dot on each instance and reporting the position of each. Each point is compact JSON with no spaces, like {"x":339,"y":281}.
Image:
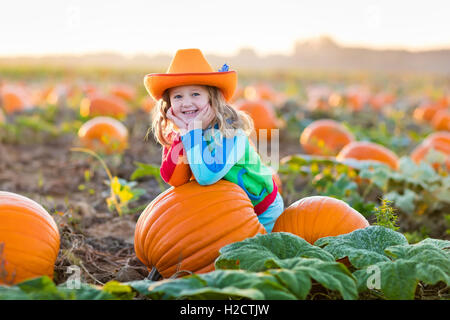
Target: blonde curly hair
{"x":226,"y":117}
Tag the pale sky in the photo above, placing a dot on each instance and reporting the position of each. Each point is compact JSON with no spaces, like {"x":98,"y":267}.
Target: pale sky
{"x":222,"y":27}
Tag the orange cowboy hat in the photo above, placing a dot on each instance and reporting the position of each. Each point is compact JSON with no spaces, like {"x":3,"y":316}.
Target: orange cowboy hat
{"x":189,"y":67}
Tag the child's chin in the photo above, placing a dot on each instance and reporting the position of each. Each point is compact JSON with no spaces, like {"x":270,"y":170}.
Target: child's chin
{"x":188,"y":119}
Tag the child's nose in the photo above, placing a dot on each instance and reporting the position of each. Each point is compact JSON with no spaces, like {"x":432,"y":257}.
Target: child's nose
{"x":187,"y":101}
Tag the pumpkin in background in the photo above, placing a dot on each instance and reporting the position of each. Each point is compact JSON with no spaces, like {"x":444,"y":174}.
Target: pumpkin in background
{"x":315,"y":217}
{"x":380,"y":100}
{"x":100,"y":105}
{"x":325,"y":137}
{"x":318,"y":105}
{"x":362,"y":150}
{"x":2,"y":117}
{"x":440,"y":136}
{"x":90,"y":89}
{"x":262,"y":114}
{"x":420,"y":152}
{"x":184,"y":227}
{"x":262,"y":91}
{"x":30,"y":239}
{"x":104,"y":134}
{"x":441,"y":120}
{"x":148,"y":103}
{"x":14,"y":98}
{"x":426,"y":112}
{"x":356,"y":97}
{"x":123,"y":91}
{"x":277,"y":180}
{"x":238,"y":94}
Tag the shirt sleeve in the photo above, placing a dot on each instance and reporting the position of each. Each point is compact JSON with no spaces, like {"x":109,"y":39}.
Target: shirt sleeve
{"x":211,"y":162}
{"x":175,"y":169}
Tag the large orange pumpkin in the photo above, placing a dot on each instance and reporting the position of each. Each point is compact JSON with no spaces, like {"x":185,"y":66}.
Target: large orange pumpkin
{"x":184,"y":227}
{"x":362,"y":150}
{"x":315,"y":217}
{"x":262,"y":114}
{"x":325,"y":137}
{"x":30,"y":239}
{"x":441,"y":120}
{"x":100,"y":105}
{"x":14,"y":99}
{"x":104,"y":134}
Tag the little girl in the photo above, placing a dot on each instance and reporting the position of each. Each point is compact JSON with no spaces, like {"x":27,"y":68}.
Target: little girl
{"x":206,"y":138}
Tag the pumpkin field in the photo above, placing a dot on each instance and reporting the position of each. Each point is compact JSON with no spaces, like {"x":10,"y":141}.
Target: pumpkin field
{"x":362,"y":162}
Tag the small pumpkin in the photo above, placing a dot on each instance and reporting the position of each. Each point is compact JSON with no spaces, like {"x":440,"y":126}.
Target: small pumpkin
{"x":2,"y":117}
{"x":315,"y":217}
{"x":184,"y":227}
{"x":420,"y":152}
{"x":363,"y":150}
{"x":148,"y":104}
{"x":425,"y":112}
{"x":356,"y":99}
{"x":439,"y":136}
{"x":380,"y":100}
{"x":277,"y":180}
{"x":262,"y":113}
{"x":123,"y":91}
{"x":325,"y":137}
{"x":238,"y":94}
{"x":262,"y":91}
{"x":441,"y":120}
{"x":14,"y":99}
{"x":30,"y":239}
{"x":102,"y":105}
{"x":104,"y":134}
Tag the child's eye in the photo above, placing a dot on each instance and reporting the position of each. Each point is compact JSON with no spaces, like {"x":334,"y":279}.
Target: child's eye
{"x":178,"y":96}
{"x":195,"y":94}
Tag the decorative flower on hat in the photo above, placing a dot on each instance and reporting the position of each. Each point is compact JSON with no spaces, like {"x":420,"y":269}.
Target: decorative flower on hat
{"x":224,"y":68}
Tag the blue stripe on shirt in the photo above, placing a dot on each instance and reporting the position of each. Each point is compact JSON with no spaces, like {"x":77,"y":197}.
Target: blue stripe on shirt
{"x":209,"y":166}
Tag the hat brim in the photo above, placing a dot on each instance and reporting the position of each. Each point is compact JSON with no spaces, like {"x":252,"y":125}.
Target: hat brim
{"x":157,"y":83}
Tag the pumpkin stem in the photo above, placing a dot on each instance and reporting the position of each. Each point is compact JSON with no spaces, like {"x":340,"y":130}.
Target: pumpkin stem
{"x":154,"y":275}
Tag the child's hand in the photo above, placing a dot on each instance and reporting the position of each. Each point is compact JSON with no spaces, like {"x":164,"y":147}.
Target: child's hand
{"x":203,"y":119}
{"x":182,"y":126}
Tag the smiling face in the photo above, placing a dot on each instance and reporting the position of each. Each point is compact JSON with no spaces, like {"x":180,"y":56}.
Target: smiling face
{"x":188,"y":101}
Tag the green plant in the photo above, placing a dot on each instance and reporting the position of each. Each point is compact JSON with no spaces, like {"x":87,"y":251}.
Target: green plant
{"x":122,"y":192}
{"x":385,"y":215}
{"x":413,"y":188}
{"x":145,"y":169}
{"x":326,"y":177}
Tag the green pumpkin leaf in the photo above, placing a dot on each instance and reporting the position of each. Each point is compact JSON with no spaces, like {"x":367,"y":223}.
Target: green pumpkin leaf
{"x":427,"y":261}
{"x":363,"y":247}
{"x":252,"y":253}
{"x":221,"y":284}
{"x":332,"y":275}
{"x":403,"y":201}
{"x":292,"y":260}
{"x":275,"y":284}
{"x":43,"y":288}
